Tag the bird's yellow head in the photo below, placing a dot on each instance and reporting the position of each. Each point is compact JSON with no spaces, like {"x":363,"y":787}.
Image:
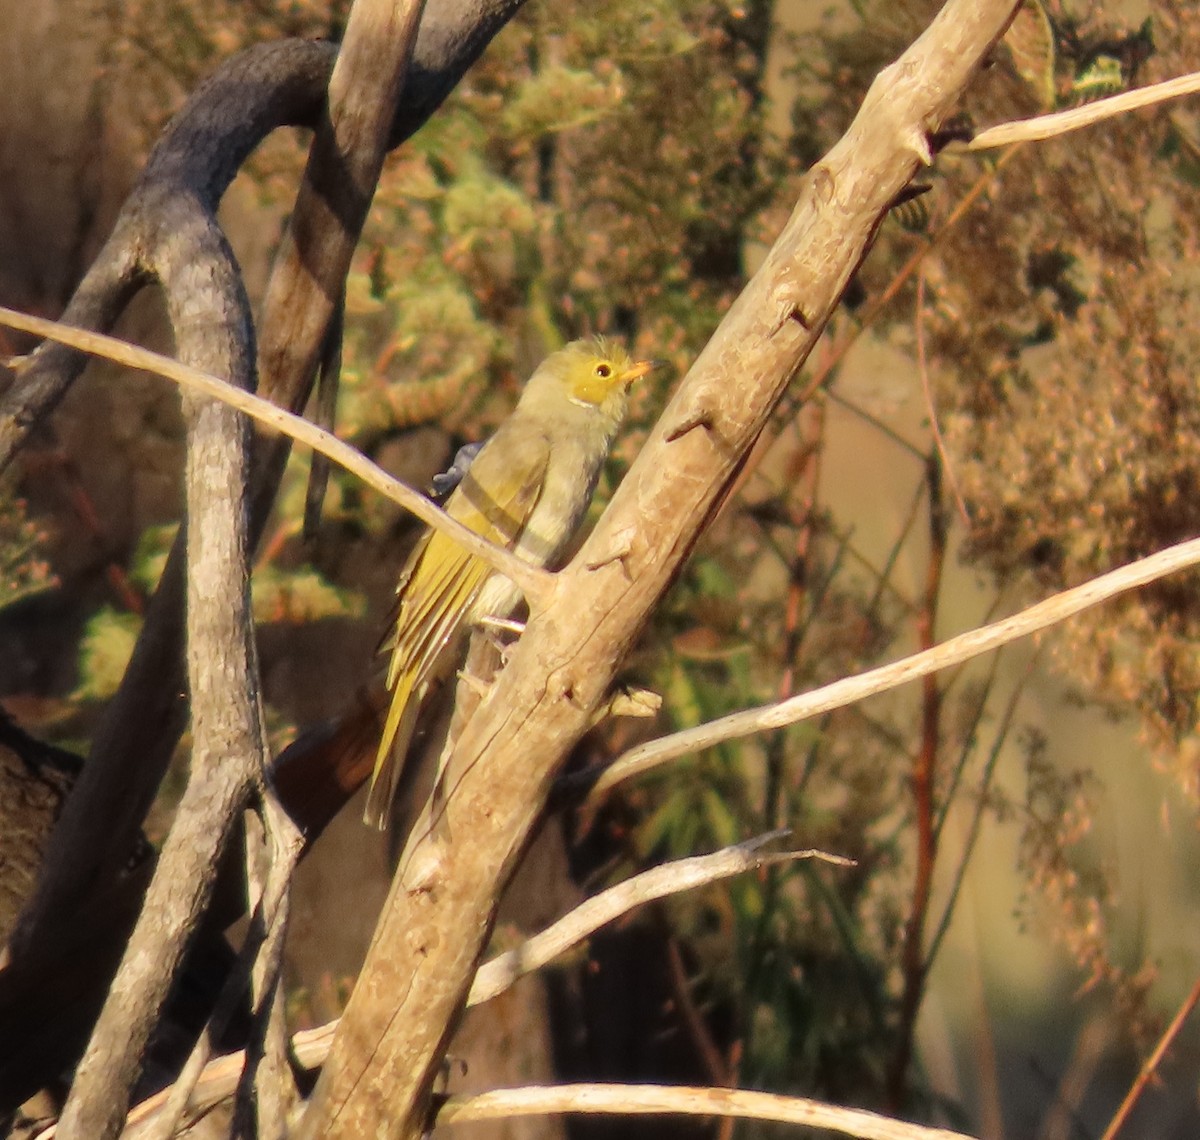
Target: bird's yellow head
{"x":593,"y":374}
{"x":595,"y":371}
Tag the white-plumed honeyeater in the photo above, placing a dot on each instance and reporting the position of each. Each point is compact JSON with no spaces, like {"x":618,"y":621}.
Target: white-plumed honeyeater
{"x":527,"y":489}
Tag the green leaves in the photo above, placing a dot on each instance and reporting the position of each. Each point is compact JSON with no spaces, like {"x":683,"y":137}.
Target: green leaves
{"x":559,"y":98}
{"x":104,"y":652}
{"x":300,"y":596}
{"x":23,"y":571}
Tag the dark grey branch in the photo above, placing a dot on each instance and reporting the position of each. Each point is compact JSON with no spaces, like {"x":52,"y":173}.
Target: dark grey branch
{"x":258,"y":91}
{"x":167,"y":234}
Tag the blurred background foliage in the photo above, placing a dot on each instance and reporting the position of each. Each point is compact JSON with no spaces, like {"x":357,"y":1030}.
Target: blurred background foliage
{"x":23,"y":568}
{"x":616,"y":167}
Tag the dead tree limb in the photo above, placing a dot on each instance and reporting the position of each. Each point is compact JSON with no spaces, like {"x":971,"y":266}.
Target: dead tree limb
{"x":442,"y":904}
{"x":229,"y":740}
{"x":167,"y":234}
{"x":177,"y":196}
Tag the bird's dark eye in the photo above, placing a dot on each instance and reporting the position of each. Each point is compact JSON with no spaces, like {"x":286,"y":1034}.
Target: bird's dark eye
{"x":604,"y":371}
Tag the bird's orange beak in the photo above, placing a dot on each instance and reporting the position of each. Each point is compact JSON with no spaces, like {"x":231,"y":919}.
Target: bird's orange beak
{"x":640,"y":368}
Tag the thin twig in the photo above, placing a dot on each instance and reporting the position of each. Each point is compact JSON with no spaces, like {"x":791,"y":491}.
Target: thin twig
{"x":799,"y":598}
{"x":930,"y":404}
{"x":1062,"y":122}
{"x":671,"y":878}
{"x":965,"y":646}
{"x":698,"y":1031}
{"x":1152,"y":1062}
{"x":534,"y":582}
{"x":924,"y":792}
{"x":633,"y":1100}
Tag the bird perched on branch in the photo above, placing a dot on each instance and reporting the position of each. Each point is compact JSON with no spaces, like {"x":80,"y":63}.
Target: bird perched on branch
{"x":527,"y":489}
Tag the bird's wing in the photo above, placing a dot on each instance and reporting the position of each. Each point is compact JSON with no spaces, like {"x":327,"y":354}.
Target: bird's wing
{"x":440,"y":582}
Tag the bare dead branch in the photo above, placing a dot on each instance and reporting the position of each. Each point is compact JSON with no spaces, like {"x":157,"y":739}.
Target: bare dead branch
{"x":533,"y":581}
{"x":1063,"y":122}
{"x":167,"y":233}
{"x":629,"y":1100}
{"x":956,"y":650}
{"x":664,"y":1100}
{"x":388,"y":1050}
{"x":311,"y":1047}
{"x":173,"y":205}
{"x":671,"y":878}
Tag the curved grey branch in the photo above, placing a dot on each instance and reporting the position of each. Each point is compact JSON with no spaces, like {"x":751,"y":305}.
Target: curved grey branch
{"x":167,"y":233}
{"x":168,"y":224}
{"x":168,"y":227}
{"x":254,"y":93}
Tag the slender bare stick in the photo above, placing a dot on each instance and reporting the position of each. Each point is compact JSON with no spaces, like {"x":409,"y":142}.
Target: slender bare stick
{"x":1152,"y":1062}
{"x":935,"y":427}
{"x":665,"y":1100}
{"x":954,"y":651}
{"x":1062,"y":122}
{"x":640,"y":1100}
{"x":533,"y":581}
{"x":671,"y":878}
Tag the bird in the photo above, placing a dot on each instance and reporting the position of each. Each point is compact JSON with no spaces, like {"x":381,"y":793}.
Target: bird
{"x":527,"y":489}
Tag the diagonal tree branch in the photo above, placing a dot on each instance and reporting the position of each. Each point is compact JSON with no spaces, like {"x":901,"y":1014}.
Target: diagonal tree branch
{"x":1062,"y":122}
{"x":505,"y":969}
{"x":533,"y":581}
{"x":847,"y":690}
{"x":413,"y":986}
